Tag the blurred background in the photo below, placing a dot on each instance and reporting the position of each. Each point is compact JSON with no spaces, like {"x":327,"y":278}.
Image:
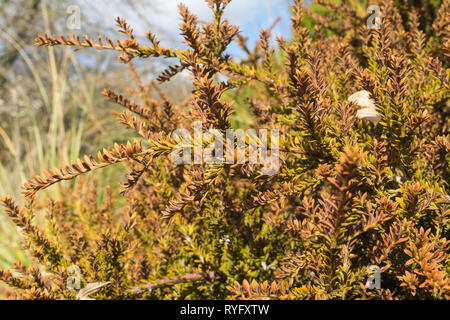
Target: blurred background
{"x":51,"y":107}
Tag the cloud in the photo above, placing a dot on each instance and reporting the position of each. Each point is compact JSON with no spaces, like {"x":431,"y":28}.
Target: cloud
{"x":161,"y":16}
{"x":244,"y":13}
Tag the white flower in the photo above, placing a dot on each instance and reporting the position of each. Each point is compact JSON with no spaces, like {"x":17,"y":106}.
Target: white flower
{"x":368,"y":112}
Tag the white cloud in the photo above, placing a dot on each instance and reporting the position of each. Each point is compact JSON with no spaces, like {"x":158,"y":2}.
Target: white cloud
{"x":162,"y":17}
{"x":241,"y":13}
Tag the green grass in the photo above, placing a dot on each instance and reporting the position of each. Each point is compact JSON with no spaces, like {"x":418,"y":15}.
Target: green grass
{"x":73,"y":120}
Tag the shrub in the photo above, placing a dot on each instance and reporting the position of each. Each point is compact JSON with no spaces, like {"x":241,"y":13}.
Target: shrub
{"x":364,"y":153}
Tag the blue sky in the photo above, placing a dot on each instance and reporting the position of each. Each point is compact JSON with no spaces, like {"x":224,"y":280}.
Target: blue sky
{"x":250,"y":15}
